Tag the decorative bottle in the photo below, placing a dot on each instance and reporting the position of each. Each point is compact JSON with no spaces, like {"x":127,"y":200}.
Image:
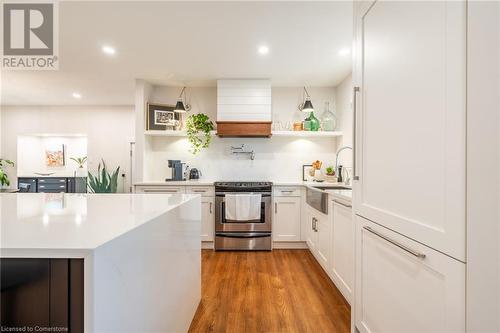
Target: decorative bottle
{"x":328,"y":119}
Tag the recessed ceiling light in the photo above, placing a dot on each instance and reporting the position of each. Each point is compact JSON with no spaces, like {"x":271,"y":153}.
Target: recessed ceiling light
{"x":76,"y":95}
{"x":344,"y":51}
{"x":263,"y":49}
{"x":108,"y":50}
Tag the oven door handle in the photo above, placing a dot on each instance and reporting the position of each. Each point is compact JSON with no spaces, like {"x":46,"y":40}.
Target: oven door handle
{"x":243,"y":234}
{"x":223,"y":194}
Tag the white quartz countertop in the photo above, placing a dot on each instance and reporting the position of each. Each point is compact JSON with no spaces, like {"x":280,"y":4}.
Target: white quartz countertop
{"x":341,"y":194}
{"x":77,"y":221}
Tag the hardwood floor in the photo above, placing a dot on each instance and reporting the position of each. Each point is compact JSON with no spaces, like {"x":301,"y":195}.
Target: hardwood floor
{"x":278,"y":291}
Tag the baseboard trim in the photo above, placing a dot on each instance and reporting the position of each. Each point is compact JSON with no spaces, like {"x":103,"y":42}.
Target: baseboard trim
{"x":289,"y":245}
{"x":207,"y":245}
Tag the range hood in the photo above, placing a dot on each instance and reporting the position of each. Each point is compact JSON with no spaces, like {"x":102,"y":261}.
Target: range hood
{"x":244,"y":108}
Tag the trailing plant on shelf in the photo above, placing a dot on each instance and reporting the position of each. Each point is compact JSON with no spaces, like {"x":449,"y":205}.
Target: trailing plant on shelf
{"x":80,"y":161}
{"x":198,"y":127}
{"x":4,"y":179}
{"x":103,"y":181}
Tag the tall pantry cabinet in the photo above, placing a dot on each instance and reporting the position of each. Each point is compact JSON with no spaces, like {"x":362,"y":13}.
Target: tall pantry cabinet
{"x":409,"y":96}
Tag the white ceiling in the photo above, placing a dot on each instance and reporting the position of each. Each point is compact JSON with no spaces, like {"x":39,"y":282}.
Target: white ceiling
{"x":191,"y":43}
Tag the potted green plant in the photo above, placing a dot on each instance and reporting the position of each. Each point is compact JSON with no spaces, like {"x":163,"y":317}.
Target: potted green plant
{"x":103,"y":181}
{"x":198,"y":127}
{"x":4,"y":178}
{"x":80,"y":161}
{"x":330,"y":175}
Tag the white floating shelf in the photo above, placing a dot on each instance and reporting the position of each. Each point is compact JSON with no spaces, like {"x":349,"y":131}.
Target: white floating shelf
{"x":170,"y":133}
{"x":307,"y":134}
{"x":302,"y":134}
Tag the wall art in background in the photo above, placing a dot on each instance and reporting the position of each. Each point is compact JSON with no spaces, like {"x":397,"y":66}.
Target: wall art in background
{"x":161,"y":117}
{"x":54,"y":155}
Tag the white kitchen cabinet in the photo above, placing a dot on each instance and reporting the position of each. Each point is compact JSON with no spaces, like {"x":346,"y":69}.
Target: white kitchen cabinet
{"x":398,"y":291}
{"x":318,"y":236}
{"x":410,"y":66}
{"x":286,"y":219}
{"x":207,"y":203}
{"x":207,"y":219}
{"x":342,"y":263}
{"x":324,"y":240}
{"x":310,"y":226}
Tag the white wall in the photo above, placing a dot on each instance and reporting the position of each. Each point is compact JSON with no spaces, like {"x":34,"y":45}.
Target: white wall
{"x":276,"y":159}
{"x":108,"y":129}
{"x":31,"y":157}
{"x":285,"y":100}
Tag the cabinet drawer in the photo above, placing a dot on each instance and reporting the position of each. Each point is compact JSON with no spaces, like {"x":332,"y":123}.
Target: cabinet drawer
{"x":60,"y":187}
{"x":51,"y":180}
{"x":205,"y":191}
{"x":287,"y":191}
{"x":402,"y":282}
{"x":160,"y":189}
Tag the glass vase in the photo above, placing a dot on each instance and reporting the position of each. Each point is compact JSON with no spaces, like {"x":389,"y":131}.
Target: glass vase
{"x":328,"y":119}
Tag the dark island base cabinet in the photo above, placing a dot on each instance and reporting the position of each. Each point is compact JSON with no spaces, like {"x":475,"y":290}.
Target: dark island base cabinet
{"x":54,"y":184}
{"x":42,"y":292}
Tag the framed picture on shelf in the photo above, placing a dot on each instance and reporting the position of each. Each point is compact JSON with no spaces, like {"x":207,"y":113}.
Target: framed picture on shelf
{"x":164,"y":118}
{"x":161,"y":117}
{"x":306,"y":172}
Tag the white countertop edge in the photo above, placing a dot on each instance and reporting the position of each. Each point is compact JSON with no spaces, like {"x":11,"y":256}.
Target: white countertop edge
{"x":338,"y":193}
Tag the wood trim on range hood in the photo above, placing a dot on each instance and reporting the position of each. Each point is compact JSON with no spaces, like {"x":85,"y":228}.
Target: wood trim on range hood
{"x":244,"y":129}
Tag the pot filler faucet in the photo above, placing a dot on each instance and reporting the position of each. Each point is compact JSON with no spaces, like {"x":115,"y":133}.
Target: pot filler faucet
{"x":348,"y":179}
{"x":240,"y":150}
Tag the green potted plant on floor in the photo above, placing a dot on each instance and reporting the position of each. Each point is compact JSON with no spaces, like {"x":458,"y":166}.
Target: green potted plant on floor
{"x":198,"y":127}
{"x":103,"y":181}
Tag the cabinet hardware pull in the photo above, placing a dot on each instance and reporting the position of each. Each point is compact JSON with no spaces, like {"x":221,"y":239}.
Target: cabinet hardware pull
{"x":160,"y":191}
{"x":275,"y":208}
{"x":401,"y":246}
{"x":210,"y":208}
{"x":61,"y":186}
{"x":342,"y":204}
{"x":286,"y":191}
{"x":354,"y":111}
{"x":199,"y":191}
{"x":315,"y":224}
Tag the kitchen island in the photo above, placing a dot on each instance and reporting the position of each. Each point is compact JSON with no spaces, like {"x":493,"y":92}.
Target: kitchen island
{"x":138,"y":255}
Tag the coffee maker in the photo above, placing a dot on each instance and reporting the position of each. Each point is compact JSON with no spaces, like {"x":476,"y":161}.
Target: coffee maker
{"x":179,"y":170}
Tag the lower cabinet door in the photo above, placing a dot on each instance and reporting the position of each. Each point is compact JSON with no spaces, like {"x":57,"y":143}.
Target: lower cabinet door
{"x":342,"y":263}
{"x":404,"y":286}
{"x":324,"y":243}
{"x":286,"y":221}
{"x":207,"y":219}
{"x":310,"y":229}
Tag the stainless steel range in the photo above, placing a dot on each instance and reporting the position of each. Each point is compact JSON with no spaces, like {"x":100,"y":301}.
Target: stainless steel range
{"x":251,"y":234}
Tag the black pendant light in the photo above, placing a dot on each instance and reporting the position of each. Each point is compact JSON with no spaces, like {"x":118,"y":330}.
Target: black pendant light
{"x":180,"y":106}
{"x":307,"y":105}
